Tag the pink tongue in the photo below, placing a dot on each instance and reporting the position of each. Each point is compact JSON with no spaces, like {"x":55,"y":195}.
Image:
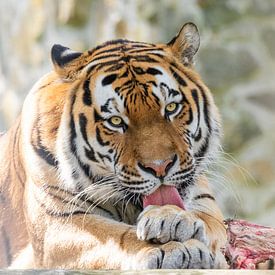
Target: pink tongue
{"x":164,"y":195}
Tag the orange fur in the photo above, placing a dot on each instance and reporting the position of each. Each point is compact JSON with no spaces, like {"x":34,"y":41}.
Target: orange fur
{"x":33,"y":199}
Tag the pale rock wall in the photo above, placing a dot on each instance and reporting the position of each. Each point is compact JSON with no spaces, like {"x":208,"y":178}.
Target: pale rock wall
{"x":236,"y":60}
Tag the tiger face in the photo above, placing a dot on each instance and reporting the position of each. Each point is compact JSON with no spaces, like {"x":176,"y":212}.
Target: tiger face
{"x":138,"y":116}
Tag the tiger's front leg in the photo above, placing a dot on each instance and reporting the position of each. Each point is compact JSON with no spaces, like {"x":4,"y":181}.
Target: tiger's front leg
{"x":100,"y":243}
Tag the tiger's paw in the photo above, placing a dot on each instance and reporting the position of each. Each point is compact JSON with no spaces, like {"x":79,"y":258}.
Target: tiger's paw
{"x":175,"y":255}
{"x":161,"y":224}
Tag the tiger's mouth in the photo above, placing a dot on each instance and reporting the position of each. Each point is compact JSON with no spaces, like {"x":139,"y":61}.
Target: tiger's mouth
{"x":165,"y":194}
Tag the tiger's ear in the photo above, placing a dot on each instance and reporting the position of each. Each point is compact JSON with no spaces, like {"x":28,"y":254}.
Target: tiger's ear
{"x":186,"y":43}
{"x":66,"y":61}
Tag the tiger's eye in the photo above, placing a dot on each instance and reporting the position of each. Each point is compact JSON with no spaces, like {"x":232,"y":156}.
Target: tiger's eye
{"x":171,"y":107}
{"x":116,"y":120}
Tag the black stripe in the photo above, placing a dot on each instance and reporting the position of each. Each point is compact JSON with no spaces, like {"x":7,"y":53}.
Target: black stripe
{"x":153,"y":71}
{"x":117,"y":155}
{"x":184,"y":100}
{"x":134,"y":44}
{"x":145,"y":49}
{"x":190,"y":118}
{"x":41,"y":150}
{"x":72,"y":127}
{"x":91,"y":68}
{"x":204,"y":196}
{"x":83,"y":125}
{"x":45,"y":154}
{"x":119,"y":48}
{"x":198,"y":135}
{"x":109,"y":79}
{"x":64,"y":214}
{"x":126,"y":85}
{"x":138,"y":70}
{"x":107,"y":131}
{"x":156,"y":99}
{"x":112,"y":42}
{"x":106,"y":57}
{"x":205,"y":109}
{"x":144,"y":58}
{"x":97,"y":116}
{"x":173,"y":93}
{"x":99,"y":139}
{"x":90,"y":154}
{"x":205,"y":102}
{"x":114,"y":67}
{"x":194,"y":93}
{"x":203,"y":148}
{"x":87,"y":99}
{"x":57,"y":188}
{"x":53,"y":213}
{"x":108,"y":63}
{"x":178,"y":78}
{"x":205,"y":145}
{"x":102,"y":157}
{"x":63,"y":199}
{"x":153,"y":83}
{"x":183,"y":171}
{"x":85,"y":168}
{"x":125,"y":74}
{"x":101,"y":65}
{"x":104,"y":108}
{"x":136,"y":188}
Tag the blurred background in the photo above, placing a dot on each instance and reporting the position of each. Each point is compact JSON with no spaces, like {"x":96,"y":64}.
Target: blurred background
{"x":236,"y":60}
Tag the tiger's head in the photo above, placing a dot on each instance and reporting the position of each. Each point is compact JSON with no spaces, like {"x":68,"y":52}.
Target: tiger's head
{"x":137,"y":116}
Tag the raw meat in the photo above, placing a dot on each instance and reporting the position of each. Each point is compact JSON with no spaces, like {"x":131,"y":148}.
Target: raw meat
{"x":248,"y":244}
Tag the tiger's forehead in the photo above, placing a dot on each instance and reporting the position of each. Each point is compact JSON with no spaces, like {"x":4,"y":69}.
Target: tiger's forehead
{"x":127,"y":92}
{"x":114,"y":55}
{"x":120,"y":46}
{"x":128,"y":76}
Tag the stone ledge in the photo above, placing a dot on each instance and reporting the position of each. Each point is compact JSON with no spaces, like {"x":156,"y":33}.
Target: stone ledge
{"x":164,"y":271}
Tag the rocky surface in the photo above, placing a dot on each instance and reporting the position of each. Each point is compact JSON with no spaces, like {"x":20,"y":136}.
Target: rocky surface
{"x":236,"y":60}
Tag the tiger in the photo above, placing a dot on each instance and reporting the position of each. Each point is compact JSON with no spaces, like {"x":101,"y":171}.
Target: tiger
{"x":105,"y":167}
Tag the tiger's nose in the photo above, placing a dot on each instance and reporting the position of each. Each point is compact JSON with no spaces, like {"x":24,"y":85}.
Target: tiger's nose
{"x":158,"y":168}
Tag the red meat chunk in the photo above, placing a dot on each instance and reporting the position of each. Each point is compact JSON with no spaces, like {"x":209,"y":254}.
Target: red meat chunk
{"x":248,"y":244}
